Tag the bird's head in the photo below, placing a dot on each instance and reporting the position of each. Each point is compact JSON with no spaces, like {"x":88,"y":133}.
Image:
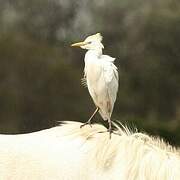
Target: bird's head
{"x":92,"y":42}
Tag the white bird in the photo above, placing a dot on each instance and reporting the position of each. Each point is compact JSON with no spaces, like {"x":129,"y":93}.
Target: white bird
{"x":101,"y":77}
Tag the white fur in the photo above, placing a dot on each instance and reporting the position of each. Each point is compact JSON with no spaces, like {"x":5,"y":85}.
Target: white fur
{"x":70,"y":153}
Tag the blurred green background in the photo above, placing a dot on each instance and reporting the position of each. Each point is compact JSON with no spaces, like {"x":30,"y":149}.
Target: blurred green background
{"x":40,"y":73}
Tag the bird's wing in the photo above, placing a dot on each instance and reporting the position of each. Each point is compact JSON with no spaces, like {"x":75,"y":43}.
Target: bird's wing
{"x":107,"y":58}
{"x":110,"y":70}
{"x":111,"y":77}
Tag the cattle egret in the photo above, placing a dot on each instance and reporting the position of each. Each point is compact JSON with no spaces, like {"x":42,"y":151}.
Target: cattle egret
{"x":101,"y":77}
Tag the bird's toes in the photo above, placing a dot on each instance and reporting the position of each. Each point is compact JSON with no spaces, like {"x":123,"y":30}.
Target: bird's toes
{"x":87,"y":123}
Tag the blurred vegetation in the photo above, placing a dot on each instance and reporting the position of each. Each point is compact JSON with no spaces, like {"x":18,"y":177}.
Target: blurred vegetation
{"x":40,"y":73}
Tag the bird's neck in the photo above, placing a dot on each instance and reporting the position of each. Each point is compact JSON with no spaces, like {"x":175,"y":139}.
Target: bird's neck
{"x":94,"y":52}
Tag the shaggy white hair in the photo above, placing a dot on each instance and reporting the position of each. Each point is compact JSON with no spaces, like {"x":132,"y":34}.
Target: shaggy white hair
{"x":70,"y":153}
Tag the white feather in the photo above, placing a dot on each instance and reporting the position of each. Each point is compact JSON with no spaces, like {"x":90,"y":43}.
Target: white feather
{"x":102,"y":81}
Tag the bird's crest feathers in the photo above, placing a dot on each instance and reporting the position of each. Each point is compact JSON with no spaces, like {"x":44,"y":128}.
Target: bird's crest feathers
{"x":95,"y":37}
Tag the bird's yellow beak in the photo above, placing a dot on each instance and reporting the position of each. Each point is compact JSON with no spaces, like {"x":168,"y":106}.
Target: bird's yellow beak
{"x":79,"y":44}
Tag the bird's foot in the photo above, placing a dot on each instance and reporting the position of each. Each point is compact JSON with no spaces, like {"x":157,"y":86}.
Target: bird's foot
{"x":89,"y":120}
{"x":86,"y":123}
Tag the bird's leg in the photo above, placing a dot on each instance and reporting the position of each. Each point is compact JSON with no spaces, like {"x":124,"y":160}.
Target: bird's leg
{"x":89,"y":120}
{"x":110,"y":128}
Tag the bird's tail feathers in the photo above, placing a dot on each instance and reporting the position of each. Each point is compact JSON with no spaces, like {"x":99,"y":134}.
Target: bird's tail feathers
{"x":104,"y":115}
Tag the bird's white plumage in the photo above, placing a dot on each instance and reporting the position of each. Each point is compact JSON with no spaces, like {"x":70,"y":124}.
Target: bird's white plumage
{"x":101,"y":75}
{"x":102,"y":81}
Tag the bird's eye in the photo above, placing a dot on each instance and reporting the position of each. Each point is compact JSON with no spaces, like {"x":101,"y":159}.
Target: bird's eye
{"x":89,"y":42}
